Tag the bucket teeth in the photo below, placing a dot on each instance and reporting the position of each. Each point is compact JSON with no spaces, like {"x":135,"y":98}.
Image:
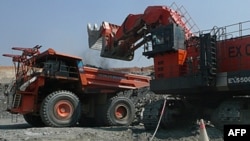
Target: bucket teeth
{"x":94,"y":37}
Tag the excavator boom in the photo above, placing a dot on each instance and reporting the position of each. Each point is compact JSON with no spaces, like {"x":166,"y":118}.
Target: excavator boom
{"x":120,"y":42}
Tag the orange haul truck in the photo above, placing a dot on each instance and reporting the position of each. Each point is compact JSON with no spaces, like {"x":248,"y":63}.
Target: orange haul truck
{"x":58,"y":90}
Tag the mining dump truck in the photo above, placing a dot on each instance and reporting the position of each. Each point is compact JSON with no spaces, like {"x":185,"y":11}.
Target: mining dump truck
{"x":58,"y":90}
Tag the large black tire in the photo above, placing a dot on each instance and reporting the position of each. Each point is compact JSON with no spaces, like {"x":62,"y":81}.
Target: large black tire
{"x":33,"y":120}
{"x":60,"y":109}
{"x":120,"y":111}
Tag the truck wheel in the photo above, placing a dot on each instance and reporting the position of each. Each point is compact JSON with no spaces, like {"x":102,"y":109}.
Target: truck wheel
{"x":120,"y":111}
{"x":33,"y":120}
{"x":60,"y":109}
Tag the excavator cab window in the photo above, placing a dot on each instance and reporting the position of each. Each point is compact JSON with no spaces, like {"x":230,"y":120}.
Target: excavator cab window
{"x":158,"y":39}
{"x":166,"y":39}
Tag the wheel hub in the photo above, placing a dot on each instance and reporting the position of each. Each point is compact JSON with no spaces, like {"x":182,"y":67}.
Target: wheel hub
{"x":63,"y":109}
{"x":120,"y":112}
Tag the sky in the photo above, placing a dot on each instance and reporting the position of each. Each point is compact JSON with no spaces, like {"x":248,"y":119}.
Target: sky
{"x":62,"y":24}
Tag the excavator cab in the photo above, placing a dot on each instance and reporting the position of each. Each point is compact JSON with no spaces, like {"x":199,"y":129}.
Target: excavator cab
{"x":166,"y":39}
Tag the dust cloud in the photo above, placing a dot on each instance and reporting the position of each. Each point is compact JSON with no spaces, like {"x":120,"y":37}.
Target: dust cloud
{"x":92,"y":57}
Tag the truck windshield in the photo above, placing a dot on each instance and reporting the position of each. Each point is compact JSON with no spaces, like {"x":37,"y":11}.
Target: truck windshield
{"x":80,"y":66}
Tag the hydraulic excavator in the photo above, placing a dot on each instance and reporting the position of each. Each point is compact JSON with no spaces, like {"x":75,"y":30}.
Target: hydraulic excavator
{"x":207,"y":71}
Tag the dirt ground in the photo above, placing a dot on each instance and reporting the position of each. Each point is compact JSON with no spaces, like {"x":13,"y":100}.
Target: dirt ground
{"x":14,"y":128}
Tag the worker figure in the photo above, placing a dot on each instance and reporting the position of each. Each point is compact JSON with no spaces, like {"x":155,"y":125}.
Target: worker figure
{"x":158,"y":39}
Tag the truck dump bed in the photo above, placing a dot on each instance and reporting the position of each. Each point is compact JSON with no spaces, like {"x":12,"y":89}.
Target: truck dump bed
{"x":106,"y":80}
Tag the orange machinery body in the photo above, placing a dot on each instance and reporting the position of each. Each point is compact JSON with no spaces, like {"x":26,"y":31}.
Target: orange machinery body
{"x":186,"y":61}
{"x":204,"y":69}
{"x":84,"y":80}
{"x":169,"y":65}
{"x":120,"y":42}
{"x":234,"y":54}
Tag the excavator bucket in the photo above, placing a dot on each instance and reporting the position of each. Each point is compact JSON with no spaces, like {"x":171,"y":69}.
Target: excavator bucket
{"x":103,"y":38}
{"x":94,"y":37}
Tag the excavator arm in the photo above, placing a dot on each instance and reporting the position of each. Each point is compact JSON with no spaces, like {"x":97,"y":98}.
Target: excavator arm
{"x":120,"y":42}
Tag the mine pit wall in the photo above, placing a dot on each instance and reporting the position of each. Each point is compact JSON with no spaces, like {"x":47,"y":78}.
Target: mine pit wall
{"x":7,"y":74}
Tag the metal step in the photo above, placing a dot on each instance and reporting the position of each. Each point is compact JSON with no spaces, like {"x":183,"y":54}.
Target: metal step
{"x":17,"y":100}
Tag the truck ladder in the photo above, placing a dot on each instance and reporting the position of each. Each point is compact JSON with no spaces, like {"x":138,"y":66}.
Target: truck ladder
{"x":213,"y":60}
{"x":16,"y":100}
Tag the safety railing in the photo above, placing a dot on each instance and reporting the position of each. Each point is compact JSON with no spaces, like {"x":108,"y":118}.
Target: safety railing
{"x":187,"y":19}
{"x":230,"y":31}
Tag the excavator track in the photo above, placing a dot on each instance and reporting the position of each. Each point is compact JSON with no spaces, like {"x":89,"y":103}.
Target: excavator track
{"x":172,"y":114}
{"x":233,"y":111}
{"x":151,"y":114}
